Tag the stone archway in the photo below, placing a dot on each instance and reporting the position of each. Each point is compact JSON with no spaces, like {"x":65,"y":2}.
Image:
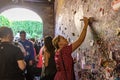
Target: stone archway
{"x":23,"y":15}
{"x":45,"y":11}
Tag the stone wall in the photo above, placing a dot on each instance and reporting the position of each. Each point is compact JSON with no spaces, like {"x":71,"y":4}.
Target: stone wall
{"x":103,"y":36}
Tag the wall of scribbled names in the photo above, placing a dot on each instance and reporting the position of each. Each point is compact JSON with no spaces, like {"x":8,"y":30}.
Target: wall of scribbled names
{"x":99,"y":55}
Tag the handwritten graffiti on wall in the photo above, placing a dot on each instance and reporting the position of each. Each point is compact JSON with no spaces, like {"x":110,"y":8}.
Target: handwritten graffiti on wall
{"x":115,"y":5}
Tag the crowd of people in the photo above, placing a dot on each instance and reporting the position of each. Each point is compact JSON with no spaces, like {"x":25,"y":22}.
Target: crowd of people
{"x":27,"y":60}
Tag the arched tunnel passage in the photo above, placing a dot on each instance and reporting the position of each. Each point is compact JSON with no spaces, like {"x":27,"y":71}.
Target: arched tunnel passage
{"x":24,"y":19}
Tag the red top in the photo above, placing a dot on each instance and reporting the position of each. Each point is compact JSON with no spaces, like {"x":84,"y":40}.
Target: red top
{"x":68,"y":62}
{"x":39,"y":64}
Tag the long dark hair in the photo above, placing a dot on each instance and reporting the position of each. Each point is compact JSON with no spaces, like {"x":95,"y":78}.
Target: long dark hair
{"x":48,"y":44}
{"x":51,"y":68}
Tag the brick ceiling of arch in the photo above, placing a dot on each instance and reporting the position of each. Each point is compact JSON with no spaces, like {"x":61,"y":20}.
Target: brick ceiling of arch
{"x":40,"y":1}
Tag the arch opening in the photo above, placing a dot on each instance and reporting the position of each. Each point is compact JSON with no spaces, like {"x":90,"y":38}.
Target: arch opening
{"x":23,"y":19}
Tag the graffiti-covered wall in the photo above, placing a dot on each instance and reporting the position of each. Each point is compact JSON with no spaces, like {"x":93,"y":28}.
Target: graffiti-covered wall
{"x":101,"y":49}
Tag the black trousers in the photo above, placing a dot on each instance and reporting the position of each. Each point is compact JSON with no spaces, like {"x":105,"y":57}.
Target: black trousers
{"x":29,"y":74}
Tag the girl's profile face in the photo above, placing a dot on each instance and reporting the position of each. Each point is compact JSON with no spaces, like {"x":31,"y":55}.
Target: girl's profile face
{"x":63,"y":42}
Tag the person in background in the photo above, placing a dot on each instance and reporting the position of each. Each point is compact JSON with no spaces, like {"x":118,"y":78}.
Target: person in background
{"x":39,"y":63}
{"x":36,"y":70}
{"x":12,"y":62}
{"x":48,"y":53}
{"x":29,"y":58}
{"x":32,"y":40}
{"x":37,"y":46}
{"x":63,"y":58}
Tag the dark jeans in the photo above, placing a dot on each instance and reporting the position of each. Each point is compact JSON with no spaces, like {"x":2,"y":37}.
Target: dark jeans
{"x":29,"y":74}
{"x":48,"y":77}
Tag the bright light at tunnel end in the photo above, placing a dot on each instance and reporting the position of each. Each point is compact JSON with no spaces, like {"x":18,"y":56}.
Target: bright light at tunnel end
{"x":20,"y":14}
